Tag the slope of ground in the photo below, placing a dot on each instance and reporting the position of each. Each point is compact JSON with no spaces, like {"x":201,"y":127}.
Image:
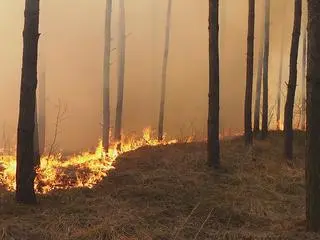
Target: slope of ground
{"x":168,"y":192}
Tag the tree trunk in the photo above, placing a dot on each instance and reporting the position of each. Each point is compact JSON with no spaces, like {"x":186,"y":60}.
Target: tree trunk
{"x":164,"y":71}
{"x":106,"y":78}
{"x":42,"y":113}
{"x":257,"y":108}
{"x":25,"y":171}
{"x":121,"y":72}
{"x":288,"y":114}
{"x":265,"y":100}
{"x":249,"y":82}
{"x":313,"y":118}
{"x":214,"y":84}
{"x":303,"y":81}
{"x":36,"y":138}
{"x":280,"y":82}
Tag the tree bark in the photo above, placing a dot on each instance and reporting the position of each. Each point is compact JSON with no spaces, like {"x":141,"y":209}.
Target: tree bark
{"x":25,"y":171}
{"x":164,"y":71}
{"x":121,"y":72}
{"x":214,"y":85}
{"x":313,"y":118}
{"x":265,"y":100}
{"x":303,"y":81}
{"x":106,"y":78}
{"x":42,"y":113}
{"x":257,"y":106}
{"x":249,"y":82}
{"x":288,"y":114}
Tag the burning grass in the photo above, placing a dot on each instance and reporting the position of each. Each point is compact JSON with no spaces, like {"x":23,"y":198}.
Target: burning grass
{"x":168,"y":192}
{"x":83,"y":170}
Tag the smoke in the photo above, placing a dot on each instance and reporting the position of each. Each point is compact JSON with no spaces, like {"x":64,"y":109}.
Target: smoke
{"x":71,"y":53}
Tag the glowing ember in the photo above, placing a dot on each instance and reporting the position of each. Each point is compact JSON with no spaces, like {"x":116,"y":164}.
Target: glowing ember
{"x":83,"y":170}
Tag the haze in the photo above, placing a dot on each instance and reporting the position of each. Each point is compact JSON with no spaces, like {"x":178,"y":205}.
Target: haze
{"x":71,"y":54}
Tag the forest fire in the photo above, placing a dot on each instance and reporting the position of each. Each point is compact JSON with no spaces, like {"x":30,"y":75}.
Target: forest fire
{"x":83,"y":170}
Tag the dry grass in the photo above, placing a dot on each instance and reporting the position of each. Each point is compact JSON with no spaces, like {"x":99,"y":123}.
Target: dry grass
{"x":169,"y":193}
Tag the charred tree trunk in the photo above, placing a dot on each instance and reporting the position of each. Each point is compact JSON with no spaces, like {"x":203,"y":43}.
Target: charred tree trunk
{"x":280,"y":83}
{"x":249,"y":82}
{"x":313,"y":118}
{"x":303,"y":81}
{"x":257,"y":108}
{"x":106,"y":78}
{"x":265,"y":97}
{"x":121,"y":72}
{"x":288,"y":114}
{"x":42,"y":114}
{"x":25,"y":171}
{"x":214,"y":85}
{"x":164,"y":71}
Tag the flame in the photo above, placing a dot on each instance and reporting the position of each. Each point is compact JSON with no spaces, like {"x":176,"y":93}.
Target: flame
{"x":83,"y":170}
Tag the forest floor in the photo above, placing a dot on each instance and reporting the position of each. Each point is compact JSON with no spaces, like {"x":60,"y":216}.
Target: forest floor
{"x":168,"y":192}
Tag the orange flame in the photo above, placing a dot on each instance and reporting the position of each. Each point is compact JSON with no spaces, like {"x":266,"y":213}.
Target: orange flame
{"x":82,"y":170}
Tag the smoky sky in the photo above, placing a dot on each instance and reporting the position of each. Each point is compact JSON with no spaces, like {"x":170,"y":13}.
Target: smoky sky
{"x":71,"y":55}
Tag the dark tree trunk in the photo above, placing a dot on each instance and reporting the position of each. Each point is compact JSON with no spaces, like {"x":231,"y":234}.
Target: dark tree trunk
{"x":249,"y":82}
{"x":121,"y":72}
{"x":257,"y":108}
{"x":303,"y":81}
{"x":313,"y":118}
{"x":25,"y":172}
{"x":106,"y":78}
{"x":280,"y":83}
{"x":164,"y":71}
{"x":288,"y":113}
{"x":42,"y":114}
{"x":265,"y":97}
{"x":214,"y":84}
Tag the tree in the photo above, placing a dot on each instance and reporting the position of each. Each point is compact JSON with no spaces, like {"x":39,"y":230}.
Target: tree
{"x":280,"y":81}
{"x":288,"y":113}
{"x":249,"y":82}
{"x":256,"y":121}
{"x":106,"y":78}
{"x":42,"y":113}
{"x":265,"y":97}
{"x":214,"y":84}
{"x":164,"y":71}
{"x":303,"y":81}
{"x":25,"y":171}
{"x":313,"y":118}
{"x":36,"y":139}
{"x":121,"y":71}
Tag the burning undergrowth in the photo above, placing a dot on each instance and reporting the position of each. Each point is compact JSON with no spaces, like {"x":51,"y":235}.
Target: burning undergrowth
{"x":82,"y":170}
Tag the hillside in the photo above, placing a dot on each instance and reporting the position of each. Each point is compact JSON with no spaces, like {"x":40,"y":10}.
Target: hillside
{"x":168,"y":192}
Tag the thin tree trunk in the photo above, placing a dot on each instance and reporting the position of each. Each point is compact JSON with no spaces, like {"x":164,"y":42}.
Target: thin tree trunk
{"x":121,"y":71}
{"x":292,"y":84}
{"x":164,"y":71}
{"x":313,"y":118}
{"x":36,"y":138}
{"x":42,"y":113}
{"x":257,"y":106}
{"x":214,"y":84}
{"x":106,"y":78}
{"x":265,"y":97}
{"x":249,"y":82}
{"x":280,"y":81}
{"x":303,"y":80}
{"x":25,"y":171}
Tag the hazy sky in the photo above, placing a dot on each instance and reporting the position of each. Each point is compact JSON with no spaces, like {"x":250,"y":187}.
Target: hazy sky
{"x":71,"y":53}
